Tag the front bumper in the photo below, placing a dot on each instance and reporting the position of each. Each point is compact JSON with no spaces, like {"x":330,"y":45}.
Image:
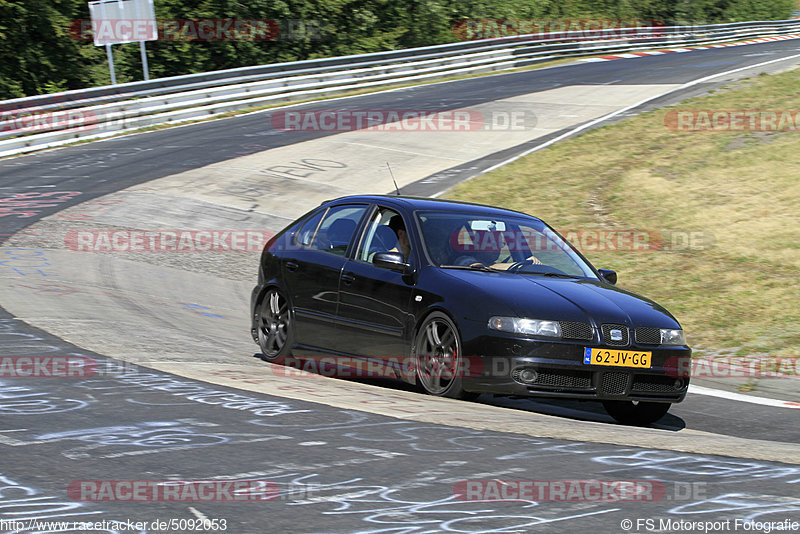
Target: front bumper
{"x":498,"y":364}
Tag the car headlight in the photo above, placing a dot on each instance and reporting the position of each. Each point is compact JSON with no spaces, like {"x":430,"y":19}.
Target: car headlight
{"x":672,"y":337}
{"x":532,"y":327}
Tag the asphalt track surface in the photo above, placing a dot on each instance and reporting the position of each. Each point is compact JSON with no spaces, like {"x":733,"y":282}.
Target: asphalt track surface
{"x":343,"y":470}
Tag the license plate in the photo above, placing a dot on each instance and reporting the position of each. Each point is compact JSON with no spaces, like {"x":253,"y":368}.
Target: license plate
{"x":617,"y":358}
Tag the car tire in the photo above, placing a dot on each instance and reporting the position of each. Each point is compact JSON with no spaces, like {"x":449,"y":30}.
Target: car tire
{"x":637,"y":413}
{"x":274,"y":327}
{"x":438,"y":358}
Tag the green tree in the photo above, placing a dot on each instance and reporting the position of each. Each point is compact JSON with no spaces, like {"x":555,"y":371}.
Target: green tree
{"x":38,"y":54}
{"x":41,"y":51}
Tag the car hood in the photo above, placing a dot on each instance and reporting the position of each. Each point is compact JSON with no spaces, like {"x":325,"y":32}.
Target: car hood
{"x":567,"y":299}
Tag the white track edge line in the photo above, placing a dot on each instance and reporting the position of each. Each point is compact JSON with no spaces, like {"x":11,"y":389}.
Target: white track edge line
{"x":730,"y":395}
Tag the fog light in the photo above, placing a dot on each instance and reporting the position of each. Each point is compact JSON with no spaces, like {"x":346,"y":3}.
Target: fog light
{"x":679,"y":383}
{"x":528,"y":376}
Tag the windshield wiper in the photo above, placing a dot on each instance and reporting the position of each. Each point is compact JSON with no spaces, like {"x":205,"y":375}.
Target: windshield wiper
{"x":559,"y":275}
{"x":483,"y":268}
{"x":551,"y":274}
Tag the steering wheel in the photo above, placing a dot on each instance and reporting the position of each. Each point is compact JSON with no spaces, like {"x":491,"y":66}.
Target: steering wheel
{"x":519,"y":265}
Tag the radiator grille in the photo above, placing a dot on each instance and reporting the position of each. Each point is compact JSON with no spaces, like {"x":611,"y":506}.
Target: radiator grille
{"x":654,"y":384}
{"x":570,"y":379}
{"x":648,"y":336}
{"x":615,"y":383}
{"x":558,"y":379}
{"x":575,"y":330}
{"x":607,"y":328}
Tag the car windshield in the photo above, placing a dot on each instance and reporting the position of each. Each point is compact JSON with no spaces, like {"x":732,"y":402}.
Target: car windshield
{"x":490,"y":243}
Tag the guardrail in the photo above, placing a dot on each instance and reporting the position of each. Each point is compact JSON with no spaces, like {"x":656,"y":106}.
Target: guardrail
{"x":45,"y":121}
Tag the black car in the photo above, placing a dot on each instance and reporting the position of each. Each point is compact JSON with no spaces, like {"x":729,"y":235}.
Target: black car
{"x":463,"y":299}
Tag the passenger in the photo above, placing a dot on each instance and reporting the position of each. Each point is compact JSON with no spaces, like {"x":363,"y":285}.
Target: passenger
{"x":403,"y":244}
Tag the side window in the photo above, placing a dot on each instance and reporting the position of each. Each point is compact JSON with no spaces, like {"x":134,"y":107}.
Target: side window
{"x":386,"y":232}
{"x":306,"y":234}
{"x":337,"y":229}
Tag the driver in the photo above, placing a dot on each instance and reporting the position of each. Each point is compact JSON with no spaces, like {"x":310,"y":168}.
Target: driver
{"x":472,"y":261}
{"x":489,"y":258}
{"x":403,"y":244}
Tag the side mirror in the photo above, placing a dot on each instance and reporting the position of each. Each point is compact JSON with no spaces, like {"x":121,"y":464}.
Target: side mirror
{"x":391,"y":260}
{"x":608,"y":275}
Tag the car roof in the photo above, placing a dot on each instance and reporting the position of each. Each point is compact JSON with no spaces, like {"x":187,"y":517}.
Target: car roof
{"x":433,"y":204}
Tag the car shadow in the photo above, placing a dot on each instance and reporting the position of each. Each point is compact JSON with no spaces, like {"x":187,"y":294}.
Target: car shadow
{"x":579,"y":410}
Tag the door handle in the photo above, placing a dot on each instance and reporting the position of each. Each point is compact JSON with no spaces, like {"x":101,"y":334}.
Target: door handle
{"x":348,"y":279}
{"x":292,"y":266}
